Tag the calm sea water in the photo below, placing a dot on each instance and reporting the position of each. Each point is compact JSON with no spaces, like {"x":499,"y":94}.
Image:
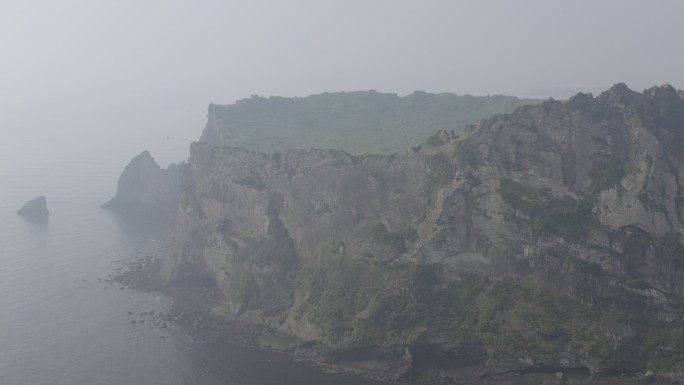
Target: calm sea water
{"x":60,"y":323}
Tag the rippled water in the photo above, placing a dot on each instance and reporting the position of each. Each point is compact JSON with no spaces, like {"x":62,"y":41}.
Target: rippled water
{"x":60,"y":323}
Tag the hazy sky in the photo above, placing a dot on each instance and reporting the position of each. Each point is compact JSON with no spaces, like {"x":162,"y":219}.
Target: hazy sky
{"x":129,"y":57}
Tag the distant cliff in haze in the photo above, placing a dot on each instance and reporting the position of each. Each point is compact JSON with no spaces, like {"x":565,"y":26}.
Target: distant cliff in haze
{"x":357,"y":122}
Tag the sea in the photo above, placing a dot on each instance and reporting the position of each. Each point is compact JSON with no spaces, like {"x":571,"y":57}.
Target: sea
{"x":62,"y":321}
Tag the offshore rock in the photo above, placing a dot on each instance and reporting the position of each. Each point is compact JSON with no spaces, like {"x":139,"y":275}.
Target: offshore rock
{"x":146,"y":192}
{"x":35,"y":209}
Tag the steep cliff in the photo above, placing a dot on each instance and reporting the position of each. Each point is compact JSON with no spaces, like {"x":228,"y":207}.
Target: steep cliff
{"x":147,"y":192}
{"x":547,"y":237}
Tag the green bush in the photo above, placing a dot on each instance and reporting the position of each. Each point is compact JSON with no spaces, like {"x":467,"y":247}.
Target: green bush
{"x":441,"y":171}
{"x":434,"y":141}
{"x":267,"y":267}
{"x":396,"y":241}
{"x":606,"y":172}
{"x":566,"y":216}
{"x":253,"y":181}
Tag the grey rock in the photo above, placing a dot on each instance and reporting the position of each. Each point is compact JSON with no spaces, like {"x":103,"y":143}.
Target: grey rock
{"x":146,"y":192}
{"x":35,"y":209}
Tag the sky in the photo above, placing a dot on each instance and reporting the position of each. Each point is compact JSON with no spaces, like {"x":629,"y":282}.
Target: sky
{"x":144,"y":63}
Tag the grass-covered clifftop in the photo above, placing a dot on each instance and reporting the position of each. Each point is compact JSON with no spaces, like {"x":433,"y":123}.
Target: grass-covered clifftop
{"x":357,"y":122}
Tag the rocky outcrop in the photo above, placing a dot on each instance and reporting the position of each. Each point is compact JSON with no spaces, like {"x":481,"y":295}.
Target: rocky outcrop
{"x":35,"y":209}
{"x":147,"y":192}
{"x":548,"y":239}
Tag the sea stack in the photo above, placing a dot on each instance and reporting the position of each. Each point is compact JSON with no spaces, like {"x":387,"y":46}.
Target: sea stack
{"x":35,"y":209}
{"x":146,"y":192}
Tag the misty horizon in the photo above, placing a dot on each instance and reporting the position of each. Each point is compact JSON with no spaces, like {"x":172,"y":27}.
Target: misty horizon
{"x":130,"y":57}
{"x":181,"y":236}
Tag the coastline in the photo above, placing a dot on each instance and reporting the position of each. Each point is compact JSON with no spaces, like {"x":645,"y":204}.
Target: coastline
{"x":191,"y":310}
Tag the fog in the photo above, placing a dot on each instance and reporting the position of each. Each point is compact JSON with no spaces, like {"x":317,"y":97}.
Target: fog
{"x":71,"y":68}
{"x":85,"y":85}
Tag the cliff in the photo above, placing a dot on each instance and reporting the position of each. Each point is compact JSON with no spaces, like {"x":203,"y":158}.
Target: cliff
{"x":546,"y":238}
{"x":145,"y":192}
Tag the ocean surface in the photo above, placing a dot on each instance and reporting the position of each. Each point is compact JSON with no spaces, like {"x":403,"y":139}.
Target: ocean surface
{"x":61,"y":321}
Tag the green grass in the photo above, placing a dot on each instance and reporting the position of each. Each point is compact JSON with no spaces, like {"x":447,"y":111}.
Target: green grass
{"x":357,"y":122}
{"x":566,"y":216}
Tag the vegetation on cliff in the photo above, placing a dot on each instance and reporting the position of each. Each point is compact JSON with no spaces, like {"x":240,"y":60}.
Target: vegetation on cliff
{"x":357,"y":122}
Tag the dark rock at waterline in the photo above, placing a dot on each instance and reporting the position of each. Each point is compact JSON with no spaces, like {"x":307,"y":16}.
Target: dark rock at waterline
{"x":35,"y":209}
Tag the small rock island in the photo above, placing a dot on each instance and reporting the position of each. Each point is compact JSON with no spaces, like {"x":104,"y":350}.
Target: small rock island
{"x":35,"y":209}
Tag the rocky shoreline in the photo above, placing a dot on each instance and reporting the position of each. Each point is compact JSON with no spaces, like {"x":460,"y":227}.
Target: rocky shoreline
{"x":191,"y":311}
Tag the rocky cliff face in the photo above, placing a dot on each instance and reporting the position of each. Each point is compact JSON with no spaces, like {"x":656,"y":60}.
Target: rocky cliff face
{"x":147,"y":192}
{"x":595,"y":179}
{"x":550,"y":237}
